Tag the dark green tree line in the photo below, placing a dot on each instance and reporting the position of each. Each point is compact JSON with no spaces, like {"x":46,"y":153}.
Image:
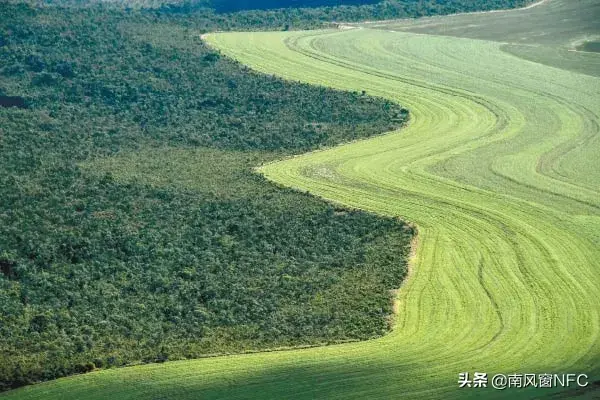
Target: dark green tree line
{"x":131,"y":226}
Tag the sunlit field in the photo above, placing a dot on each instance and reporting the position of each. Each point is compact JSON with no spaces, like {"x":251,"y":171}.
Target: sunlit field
{"x":498,"y":169}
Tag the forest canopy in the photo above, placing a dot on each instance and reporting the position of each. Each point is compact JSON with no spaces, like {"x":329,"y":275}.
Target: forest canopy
{"x":132,"y":228}
{"x":237,"y":5}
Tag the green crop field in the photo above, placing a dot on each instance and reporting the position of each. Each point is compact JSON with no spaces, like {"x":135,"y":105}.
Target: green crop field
{"x":499,"y":170}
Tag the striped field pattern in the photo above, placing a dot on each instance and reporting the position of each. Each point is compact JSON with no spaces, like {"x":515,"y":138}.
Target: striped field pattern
{"x":499,"y":168}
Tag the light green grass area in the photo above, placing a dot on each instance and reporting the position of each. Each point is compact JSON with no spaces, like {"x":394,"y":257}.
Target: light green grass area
{"x":548,"y":32}
{"x":499,"y":170}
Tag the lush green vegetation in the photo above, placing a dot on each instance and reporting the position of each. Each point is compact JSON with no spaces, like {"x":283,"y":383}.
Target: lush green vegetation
{"x":277,"y":14}
{"x":237,"y":5}
{"x":328,"y":10}
{"x":318,"y":17}
{"x":174,"y":248}
{"x":499,"y":170}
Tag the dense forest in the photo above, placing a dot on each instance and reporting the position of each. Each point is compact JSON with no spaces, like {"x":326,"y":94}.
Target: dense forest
{"x":374,"y":8}
{"x":318,"y":17}
{"x":131,"y":226}
{"x":288,"y":14}
{"x":238,"y":5}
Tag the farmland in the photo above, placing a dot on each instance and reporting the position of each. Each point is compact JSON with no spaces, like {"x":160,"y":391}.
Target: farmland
{"x":497,"y":168}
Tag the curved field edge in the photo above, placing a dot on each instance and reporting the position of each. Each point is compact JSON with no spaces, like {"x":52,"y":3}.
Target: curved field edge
{"x":524,"y":204}
{"x":504,"y":277}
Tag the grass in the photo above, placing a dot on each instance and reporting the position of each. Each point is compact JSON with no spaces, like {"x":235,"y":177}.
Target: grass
{"x":498,"y":169}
